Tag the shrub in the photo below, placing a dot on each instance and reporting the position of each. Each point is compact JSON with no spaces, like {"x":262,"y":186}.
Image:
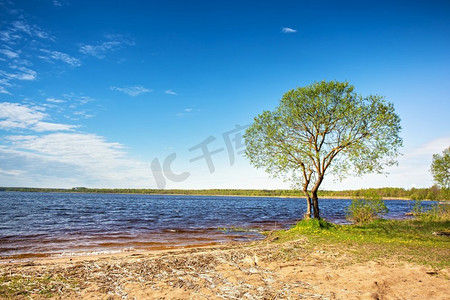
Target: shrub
{"x":312,"y":226}
{"x":418,"y":208}
{"x":438,"y":212}
{"x":367,"y":209}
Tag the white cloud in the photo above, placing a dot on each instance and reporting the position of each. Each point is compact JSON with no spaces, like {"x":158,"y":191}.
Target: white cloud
{"x":11,"y":172}
{"x":288,"y":30}
{"x":8,"y":53}
{"x":429,"y":148}
{"x":21,"y":30}
{"x":20,"y":137}
{"x":21,"y":26}
{"x":4,"y":91}
{"x":53,"y":100}
{"x":100,"y":50}
{"x":74,"y":159}
{"x":185,"y":112}
{"x":131,"y":90}
{"x":170,"y":92}
{"x":20,"y":73}
{"x":9,"y":36}
{"x":77,"y":100}
{"x":83,"y":114}
{"x":15,"y":116}
{"x":47,"y":126}
{"x":17,"y":36}
{"x":56,"y":55}
{"x":59,"y":3}
{"x":72,"y":147}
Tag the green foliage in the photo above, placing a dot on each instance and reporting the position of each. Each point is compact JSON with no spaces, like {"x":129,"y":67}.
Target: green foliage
{"x":311,"y":226}
{"x":367,"y":209}
{"x":322,"y":123}
{"x":437,"y":212}
{"x":417,"y":208}
{"x":440,"y":168}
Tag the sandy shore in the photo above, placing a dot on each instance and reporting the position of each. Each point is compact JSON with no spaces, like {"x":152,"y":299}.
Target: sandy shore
{"x":258,"y":270}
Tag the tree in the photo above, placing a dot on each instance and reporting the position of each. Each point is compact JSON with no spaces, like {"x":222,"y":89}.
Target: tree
{"x":321,"y":124}
{"x":440,"y":168}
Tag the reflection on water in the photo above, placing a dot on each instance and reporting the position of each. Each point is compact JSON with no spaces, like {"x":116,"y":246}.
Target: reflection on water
{"x":34,"y":224}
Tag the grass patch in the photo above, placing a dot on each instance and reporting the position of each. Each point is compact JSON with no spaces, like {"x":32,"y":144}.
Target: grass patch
{"x":237,"y":229}
{"x":19,"y":286}
{"x":406,"y":240}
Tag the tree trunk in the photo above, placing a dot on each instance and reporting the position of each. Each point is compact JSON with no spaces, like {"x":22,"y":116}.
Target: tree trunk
{"x":315,"y":199}
{"x":308,"y":205}
{"x":315,"y":202}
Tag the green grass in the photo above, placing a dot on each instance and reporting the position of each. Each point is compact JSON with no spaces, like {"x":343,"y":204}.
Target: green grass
{"x":407,"y":240}
{"x":237,"y":229}
{"x":18,"y":287}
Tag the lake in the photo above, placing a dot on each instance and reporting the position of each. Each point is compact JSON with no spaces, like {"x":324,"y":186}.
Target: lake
{"x":58,"y":224}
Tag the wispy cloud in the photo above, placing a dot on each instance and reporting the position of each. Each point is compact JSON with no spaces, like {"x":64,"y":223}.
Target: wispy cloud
{"x":19,"y":39}
{"x":21,"y":73}
{"x":131,"y":90}
{"x":288,"y":30}
{"x":56,"y":154}
{"x":4,"y":83}
{"x":83,"y":114}
{"x":81,"y":159}
{"x":21,"y":26}
{"x":185,"y":112}
{"x":9,"y":54}
{"x":4,"y":91}
{"x":56,"y":55}
{"x":20,"y":30}
{"x":53,"y":100}
{"x":15,"y":116}
{"x":99,"y":50}
{"x":170,"y":92}
{"x":77,"y":100}
{"x":59,"y":3}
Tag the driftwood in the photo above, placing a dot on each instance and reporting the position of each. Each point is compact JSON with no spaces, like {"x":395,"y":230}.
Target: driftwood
{"x":444,"y":233}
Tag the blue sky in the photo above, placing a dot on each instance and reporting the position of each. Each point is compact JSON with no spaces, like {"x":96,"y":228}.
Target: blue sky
{"x":126,"y":93}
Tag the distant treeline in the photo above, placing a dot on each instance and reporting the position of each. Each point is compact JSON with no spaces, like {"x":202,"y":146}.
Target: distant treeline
{"x":432,"y":193}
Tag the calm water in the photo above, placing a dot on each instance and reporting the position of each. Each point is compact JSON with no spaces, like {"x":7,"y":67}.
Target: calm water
{"x":45,"y":224}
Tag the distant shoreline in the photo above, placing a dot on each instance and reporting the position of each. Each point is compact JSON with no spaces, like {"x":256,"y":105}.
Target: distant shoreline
{"x":344,"y":195}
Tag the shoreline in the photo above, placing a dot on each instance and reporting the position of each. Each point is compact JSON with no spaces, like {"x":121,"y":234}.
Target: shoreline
{"x":257,"y":270}
{"x":126,"y":249}
{"x":223,"y":195}
{"x":204,"y":192}
{"x":101,"y":255}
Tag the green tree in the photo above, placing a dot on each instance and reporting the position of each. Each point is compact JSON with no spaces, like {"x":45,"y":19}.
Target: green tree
{"x":320,"y":128}
{"x":440,"y":168}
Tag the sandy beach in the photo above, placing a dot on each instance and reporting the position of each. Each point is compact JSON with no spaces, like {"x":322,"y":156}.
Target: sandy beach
{"x":257,"y":270}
